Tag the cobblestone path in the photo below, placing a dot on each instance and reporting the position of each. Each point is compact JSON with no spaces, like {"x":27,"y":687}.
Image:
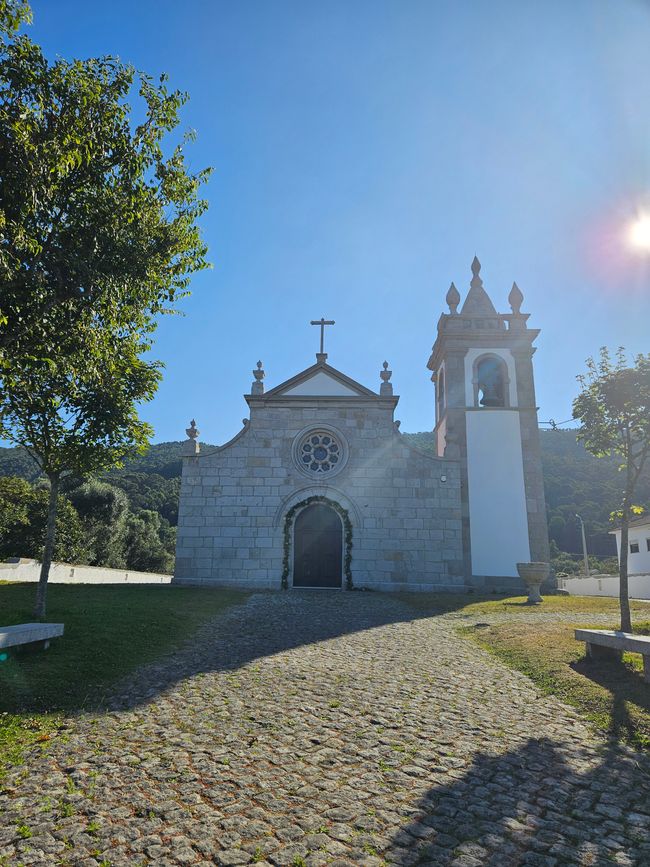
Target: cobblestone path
{"x":328,"y":728}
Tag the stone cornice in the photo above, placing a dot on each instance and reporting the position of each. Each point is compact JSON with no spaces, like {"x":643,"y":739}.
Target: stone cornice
{"x":518,"y":341}
{"x":297,"y":400}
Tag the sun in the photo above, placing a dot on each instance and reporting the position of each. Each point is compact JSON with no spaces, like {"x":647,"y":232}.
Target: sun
{"x":639,"y":233}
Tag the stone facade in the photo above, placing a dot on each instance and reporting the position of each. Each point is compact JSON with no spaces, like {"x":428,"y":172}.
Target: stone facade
{"x":409,"y":520}
{"x":403,"y":505}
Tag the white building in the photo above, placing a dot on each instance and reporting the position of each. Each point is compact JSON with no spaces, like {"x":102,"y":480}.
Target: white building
{"x":639,"y":546}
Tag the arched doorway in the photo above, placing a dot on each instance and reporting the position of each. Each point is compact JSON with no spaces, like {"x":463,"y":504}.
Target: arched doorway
{"x":318,"y":548}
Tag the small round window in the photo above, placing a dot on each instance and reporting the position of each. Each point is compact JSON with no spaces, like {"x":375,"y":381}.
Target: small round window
{"x":319,"y":452}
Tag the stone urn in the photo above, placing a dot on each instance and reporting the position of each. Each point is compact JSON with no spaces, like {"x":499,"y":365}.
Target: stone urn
{"x":533,"y":575}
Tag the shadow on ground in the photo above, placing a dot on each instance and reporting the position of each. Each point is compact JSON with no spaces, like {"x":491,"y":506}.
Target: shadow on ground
{"x":263,"y":628}
{"x":258,"y":626}
{"x":626,"y":688}
{"x":541,"y":804}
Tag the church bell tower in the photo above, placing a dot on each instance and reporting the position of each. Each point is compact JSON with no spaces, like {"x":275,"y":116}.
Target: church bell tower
{"x":486,"y":419}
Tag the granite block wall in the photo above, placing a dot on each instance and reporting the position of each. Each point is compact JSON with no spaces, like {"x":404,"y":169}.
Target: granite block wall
{"x":404,"y":505}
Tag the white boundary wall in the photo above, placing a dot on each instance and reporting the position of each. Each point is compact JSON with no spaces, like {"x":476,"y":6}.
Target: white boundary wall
{"x":606,"y":585}
{"x":68,"y":573}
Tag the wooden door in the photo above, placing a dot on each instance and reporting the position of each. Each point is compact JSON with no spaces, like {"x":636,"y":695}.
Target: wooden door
{"x":318,"y":548}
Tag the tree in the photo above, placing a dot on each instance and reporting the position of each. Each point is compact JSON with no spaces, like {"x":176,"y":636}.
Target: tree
{"x":144,"y":548}
{"x":23,"y":517}
{"x":103,"y":510}
{"x":614,"y":411}
{"x":92,"y":211}
{"x":77,"y":415}
{"x":13,"y":13}
{"x":98,"y":236}
{"x":556,"y":528}
{"x":149,"y":491}
{"x":14,"y":497}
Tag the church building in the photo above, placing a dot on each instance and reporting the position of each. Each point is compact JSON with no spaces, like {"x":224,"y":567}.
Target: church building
{"x":320,"y":488}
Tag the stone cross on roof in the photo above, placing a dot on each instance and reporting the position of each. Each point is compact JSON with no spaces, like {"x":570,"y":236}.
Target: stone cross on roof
{"x":322,"y":355}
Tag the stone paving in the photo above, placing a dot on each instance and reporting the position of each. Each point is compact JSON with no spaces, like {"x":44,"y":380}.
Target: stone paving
{"x":328,"y":728}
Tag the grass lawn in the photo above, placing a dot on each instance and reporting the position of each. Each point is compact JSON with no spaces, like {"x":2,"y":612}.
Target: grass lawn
{"x":612,"y":696}
{"x":109,"y":631}
{"x":470,"y":604}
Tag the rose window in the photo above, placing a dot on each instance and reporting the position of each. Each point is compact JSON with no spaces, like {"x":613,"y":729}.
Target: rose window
{"x":319,"y":452}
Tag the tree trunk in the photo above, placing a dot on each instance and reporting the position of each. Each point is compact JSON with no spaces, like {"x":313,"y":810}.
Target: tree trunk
{"x":626,"y":619}
{"x":48,"y":550}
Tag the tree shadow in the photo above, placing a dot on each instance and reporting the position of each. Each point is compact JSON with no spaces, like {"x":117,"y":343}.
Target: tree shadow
{"x":541,"y":804}
{"x":267,"y":624}
{"x":264,"y":624}
{"x":627,"y":688}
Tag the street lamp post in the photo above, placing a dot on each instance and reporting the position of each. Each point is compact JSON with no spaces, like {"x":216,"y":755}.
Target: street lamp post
{"x":584,"y":546}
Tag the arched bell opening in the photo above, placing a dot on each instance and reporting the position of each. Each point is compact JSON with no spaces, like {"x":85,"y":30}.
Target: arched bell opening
{"x":491,"y":382}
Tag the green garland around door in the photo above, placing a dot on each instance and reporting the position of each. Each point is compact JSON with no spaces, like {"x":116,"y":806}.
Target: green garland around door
{"x":347,"y":528}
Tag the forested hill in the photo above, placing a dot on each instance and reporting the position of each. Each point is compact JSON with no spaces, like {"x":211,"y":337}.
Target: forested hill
{"x":164,"y":459}
{"x":574,"y":480}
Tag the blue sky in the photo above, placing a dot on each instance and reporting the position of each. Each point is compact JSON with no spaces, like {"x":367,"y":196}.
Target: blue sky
{"x":363,"y":152}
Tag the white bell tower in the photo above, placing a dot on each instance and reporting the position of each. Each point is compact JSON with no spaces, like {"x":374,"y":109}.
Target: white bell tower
{"x":486,"y":418}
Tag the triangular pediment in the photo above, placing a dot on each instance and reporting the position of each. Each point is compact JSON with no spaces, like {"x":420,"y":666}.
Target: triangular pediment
{"x":321,"y":384}
{"x":321,"y":380}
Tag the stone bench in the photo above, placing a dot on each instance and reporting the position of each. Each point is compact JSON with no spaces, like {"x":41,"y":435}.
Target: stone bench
{"x":29,"y":633}
{"x":607,"y":644}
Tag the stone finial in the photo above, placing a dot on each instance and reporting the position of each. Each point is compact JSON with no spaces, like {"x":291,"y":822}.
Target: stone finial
{"x":476,"y":270}
{"x":258,"y":385}
{"x":191,"y":445}
{"x":453,"y":299}
{"x":385,"y":375}
{"x":477,"y":303}
{"x":515,"y":299}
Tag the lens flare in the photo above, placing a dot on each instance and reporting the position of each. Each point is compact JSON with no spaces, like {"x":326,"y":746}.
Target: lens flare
{"x":639,"y":233}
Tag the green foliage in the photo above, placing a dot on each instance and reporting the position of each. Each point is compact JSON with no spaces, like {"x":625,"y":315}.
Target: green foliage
{"x":165,"y":459}
{"x":99,"y":223}
{"x":150,"y":480}
{"x":99,"y":236}
{"x":23,"y":516}
{"x":149,"y":491}
{"x":614,"y":411}
{"x":69,"y":546}
{"x":635,"y":512}
{"x":613,"y":407}
{"x":13,"y":13}
{"x":103,"y":510}
{"x":97,"y":524}
{"x":94,"y":527}
{"x":145,"y":550}
{"x":15,"y":494}
{"x":572,"y":564}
